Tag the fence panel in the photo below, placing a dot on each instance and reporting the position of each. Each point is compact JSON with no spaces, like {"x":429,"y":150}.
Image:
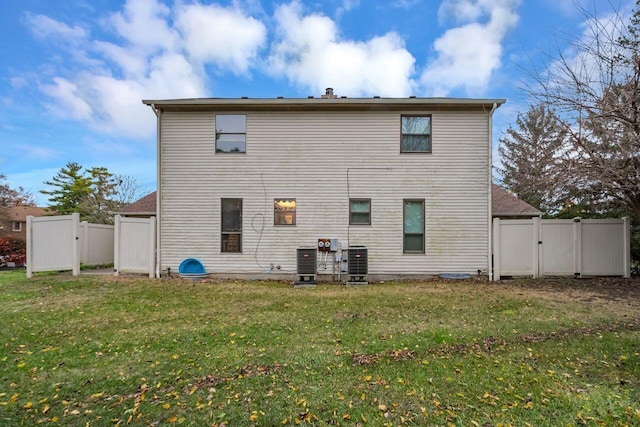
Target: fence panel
{"x":134,"y":245}
{"x":602,"y":250}
{"x":516,"y":243}
{"x":590,"y":247}
{"x":558,"y":247}
{"x":52,"y":244}
{"x":96,"y":243}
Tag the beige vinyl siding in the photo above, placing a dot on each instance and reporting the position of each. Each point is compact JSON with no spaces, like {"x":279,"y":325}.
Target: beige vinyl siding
{"x":309,"y":156}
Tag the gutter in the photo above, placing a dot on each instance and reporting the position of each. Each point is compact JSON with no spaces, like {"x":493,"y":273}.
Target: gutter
{"x":158,"y":113}
{"x":490,"y":194}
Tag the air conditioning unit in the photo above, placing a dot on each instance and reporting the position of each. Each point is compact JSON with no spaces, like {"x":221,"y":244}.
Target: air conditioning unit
{"x":358,"y":267}
{"x":307,"y":266}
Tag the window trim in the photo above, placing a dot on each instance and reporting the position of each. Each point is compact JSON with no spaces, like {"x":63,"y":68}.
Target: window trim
{"x":404,"y":233}
{"x":17,"y":228}
{"x":359,"y":199}
{"x":228,"y":233}
{"x":430,"y":134}
{"x":295,"y":212}
{"x":220,"y":132}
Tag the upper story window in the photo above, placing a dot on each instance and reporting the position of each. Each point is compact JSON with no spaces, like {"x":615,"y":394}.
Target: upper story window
{"x":231,"y":133}
{"x":17,"y":226}
{"x":284,"y":212}
{"x":360,"y":211}
{"x":416,"y":134}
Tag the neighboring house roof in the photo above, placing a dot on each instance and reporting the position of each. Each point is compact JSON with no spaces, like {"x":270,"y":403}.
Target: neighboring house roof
{"x":144,"y":206}
{"x":504,"y":203}
{"x":20,"y":213}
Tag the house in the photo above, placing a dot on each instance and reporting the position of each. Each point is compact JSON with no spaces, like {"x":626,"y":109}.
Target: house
{"x":13,"y":220}
{"x":507,"y":206}
{"x":243,"y":183}
{"x":141,"y":208}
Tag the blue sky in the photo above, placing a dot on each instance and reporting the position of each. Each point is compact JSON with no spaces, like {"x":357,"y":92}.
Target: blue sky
{"x":73,"y":72}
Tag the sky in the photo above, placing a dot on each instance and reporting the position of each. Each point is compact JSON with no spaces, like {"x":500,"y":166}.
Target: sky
{"x":73,"y":72}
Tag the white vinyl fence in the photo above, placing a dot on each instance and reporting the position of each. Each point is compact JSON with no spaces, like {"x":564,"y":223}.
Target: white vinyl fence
{"x":135,"y":240}
{"x":550,"y":247}
{"x":58,"y":243}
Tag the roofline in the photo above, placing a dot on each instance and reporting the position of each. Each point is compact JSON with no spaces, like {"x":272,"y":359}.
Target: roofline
{"x":319,"y":103}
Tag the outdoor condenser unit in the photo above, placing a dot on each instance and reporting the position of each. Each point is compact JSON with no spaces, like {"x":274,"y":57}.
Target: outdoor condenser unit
{"x":357,"y":260}
{"x":307,"y":266}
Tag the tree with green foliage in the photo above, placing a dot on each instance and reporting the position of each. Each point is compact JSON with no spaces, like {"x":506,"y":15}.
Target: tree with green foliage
{"x":88,"y":192}
{"x":530,"y":153}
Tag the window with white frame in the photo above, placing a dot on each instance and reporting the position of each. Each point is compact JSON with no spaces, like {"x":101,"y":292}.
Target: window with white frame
{"x":16,"y":226}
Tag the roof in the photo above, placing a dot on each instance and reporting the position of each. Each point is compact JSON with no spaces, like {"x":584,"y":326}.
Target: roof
{"x":144,"y":206}
{"x":504,"y":203}
{"x":320,"y":103}
{"x":20,"y":213}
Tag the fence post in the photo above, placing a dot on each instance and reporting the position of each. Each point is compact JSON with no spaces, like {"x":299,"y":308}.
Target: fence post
{"x":626,"y":249}
{"x":496,"y":249}
{"x":536,"y":247}
{"x":84,"y":242}
{"x":75,"y":222}
{"x":116,"y":246}
{"x":152,"y":246}
{"x":29,"y":247}
{"x":577,"y":246}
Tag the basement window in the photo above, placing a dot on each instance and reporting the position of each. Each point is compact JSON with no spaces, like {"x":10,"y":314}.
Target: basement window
{"x":16,"y":226}
{"x":284,"y":212}
{"x":416,"y":134}
{"x":231,"y":133}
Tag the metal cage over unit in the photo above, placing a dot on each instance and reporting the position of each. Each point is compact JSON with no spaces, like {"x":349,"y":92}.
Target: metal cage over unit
{"x":358,"y":264}
{"x":307,"y":266}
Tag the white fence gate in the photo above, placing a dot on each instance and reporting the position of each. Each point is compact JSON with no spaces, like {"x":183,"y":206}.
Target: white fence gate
{"x":549,"y":247}
{"x":58,"y":243}
{"x":135,"y":240}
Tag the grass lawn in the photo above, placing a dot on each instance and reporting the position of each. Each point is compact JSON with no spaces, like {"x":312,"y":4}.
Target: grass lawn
{"x":117,"y":351}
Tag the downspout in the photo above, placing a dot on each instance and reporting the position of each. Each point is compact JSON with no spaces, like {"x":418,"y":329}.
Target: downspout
{"x":490,"y":194}
{"x":158,"y":114}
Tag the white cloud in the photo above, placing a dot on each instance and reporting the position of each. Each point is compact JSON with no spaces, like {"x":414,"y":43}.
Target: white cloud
{"x":467,"y":55}
{"x":310,"y":53}
{"x":157,"y":52}
{"x":69,"y":99}
{"x":45,"y":28}
{"x":144,"y":25}
{"x":222,"y":36}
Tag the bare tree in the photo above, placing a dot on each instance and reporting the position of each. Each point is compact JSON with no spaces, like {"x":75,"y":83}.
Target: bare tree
{"x":595,"y":87}
{"x":129,"y":189}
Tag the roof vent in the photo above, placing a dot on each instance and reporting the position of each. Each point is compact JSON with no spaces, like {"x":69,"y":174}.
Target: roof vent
{"x":328,"y":94}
